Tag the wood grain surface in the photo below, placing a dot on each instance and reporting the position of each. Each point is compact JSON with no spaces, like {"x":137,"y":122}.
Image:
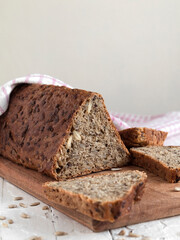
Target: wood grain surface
{"x":159,"y":199}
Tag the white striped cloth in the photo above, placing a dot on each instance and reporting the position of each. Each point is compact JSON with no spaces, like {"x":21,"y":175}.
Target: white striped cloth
{"x":169,"y":122}
{"x":7,"y":88}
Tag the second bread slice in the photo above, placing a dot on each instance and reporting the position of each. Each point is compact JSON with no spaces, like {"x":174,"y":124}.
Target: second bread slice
{"x":104,"y":196}
{"x":163,"y":161}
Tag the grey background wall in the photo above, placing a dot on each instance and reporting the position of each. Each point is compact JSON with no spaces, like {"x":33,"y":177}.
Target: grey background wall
{"x":128,"y":50}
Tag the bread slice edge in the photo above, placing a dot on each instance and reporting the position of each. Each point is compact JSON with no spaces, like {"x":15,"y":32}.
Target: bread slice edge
{"x":101,"y":211}
{"x":154,"y":166}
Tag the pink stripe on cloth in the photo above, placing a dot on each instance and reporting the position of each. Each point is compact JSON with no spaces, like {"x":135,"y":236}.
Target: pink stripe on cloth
{"x":27,"y":79}
{"x":172,"y":135}
{"x":119,"y":123}
{"x":112,"y":118}
{"x":40,"y":79}
{"x":6,"y":94}
{"x":53,"y":81}
{"x":13,"y":83}
{"x":132,"y":118}
{"x":169,"y":124}
{"x":173,"y":132}
{"x":165,"y":123}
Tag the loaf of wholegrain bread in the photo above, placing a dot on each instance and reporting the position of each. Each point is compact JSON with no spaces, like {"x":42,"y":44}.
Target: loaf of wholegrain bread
{"x":163,"y":161}
{"x":59,"y":131}
{"x":102,"y":196}
{"x":140,"y":137}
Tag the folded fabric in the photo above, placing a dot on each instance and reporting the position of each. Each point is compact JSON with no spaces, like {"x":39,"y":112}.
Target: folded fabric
{"x":168,"y":122}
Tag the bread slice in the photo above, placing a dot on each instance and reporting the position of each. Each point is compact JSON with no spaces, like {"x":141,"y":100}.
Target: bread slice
{"x":163,"y":161}
{"x":140,"y":137}
{"x":102,"y":196}
{"x":60,"y":131}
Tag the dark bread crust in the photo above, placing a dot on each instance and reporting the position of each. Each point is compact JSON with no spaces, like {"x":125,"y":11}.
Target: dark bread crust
{"x":153,"y":165}
{"x":37,"y":123}
{"x":101,"y":211}
{"x":139,"y":137}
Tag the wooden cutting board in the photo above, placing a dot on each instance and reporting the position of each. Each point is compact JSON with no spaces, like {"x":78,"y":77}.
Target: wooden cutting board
{"x":159,"y":199}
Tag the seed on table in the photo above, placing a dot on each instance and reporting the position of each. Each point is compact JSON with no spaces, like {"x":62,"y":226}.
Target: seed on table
{"x":45,"y":208}
{"x":12,"y":206}
{"x":34,"y":204}
{"x":5,"y":225}
{"x":58,"y":233}
{"x":18,"y":198}
{"x":2,"y":217}
{"x":22,"y":205}
{"x":121,"y":233}
{"x":35,"y":238}
{"x":24,"y":215}
{"x":10,"y":221}
{"x":133,"y":235}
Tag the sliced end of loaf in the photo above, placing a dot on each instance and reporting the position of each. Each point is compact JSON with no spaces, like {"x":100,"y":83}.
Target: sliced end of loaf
{"x":92,"y":144}
{"x":139,"y":137}
{"x":102,"y":196}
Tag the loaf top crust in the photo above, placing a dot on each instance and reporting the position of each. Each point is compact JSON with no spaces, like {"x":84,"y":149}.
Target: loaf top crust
{"x":42,"y":111}
{"x":142,"y":136}
{"x":38,"y":122}
{"x":169,"y":156}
